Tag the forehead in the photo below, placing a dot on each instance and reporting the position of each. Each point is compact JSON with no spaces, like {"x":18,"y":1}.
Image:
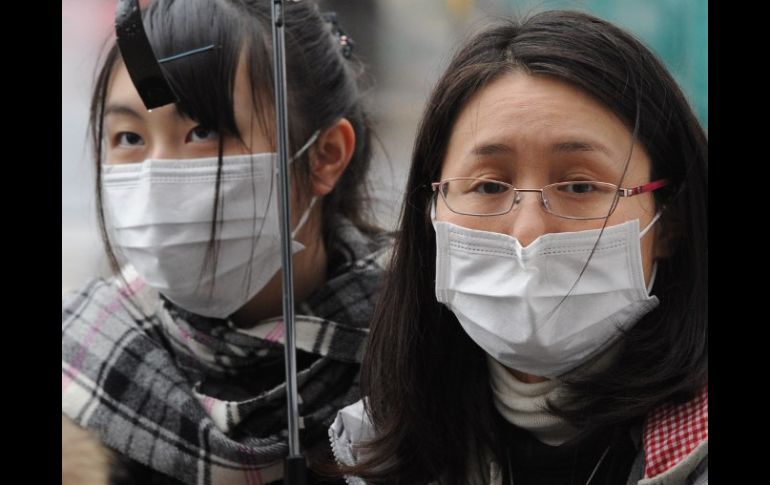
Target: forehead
{"x":121,"y":89}
{"x":530,"y":114}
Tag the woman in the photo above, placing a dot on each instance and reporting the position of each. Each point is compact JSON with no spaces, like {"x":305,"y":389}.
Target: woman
{"x":177,"y":365}
{"x":545,"y":315}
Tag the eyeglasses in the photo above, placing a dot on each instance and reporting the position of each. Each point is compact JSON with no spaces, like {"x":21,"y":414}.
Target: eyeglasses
{"x":584,"y":199}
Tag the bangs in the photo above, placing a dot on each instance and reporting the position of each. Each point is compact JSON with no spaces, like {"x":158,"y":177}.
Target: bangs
{"x":204,"y":82}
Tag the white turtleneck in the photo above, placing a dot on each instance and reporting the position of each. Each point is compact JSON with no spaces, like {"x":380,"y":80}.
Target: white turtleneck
{"x":524,"y":404}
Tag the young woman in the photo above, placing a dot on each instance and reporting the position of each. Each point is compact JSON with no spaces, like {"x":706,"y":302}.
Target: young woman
{"x":177,"y":364}
{"x":545,"y":315}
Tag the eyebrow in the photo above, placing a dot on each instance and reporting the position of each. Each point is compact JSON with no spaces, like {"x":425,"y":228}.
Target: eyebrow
{"x":120,"y":109}
{"x":567,"y":146}
{"x":491,"y":149}
{"x":571,"y":146}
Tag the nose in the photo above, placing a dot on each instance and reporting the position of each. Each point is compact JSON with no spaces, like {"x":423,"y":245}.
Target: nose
{"x":528,"y":220}
{"x":158,"y":153}
{"x":164,"y":146}
{"x":164,"y":135}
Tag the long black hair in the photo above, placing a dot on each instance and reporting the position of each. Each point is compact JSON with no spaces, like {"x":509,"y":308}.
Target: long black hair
{"x":426,"y":381}
{"x":324,"y":84}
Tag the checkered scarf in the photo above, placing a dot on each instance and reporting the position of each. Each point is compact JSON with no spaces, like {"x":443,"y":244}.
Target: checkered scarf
{"x":201,"y":400}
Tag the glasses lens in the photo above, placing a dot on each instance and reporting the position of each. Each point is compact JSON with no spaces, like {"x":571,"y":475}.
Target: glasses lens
{"x":477,"y":196}
{"x":580,"y":200}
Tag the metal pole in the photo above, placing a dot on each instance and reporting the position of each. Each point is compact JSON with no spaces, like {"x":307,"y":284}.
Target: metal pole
{"x":294,"y":469}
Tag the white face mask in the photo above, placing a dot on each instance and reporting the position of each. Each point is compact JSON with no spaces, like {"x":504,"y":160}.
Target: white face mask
{"x":508,"y":298}
{"x":160,"y":214}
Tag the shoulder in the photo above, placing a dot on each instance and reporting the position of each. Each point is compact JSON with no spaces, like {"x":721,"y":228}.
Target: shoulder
{"x":106,"y":313}
{"x":107,"y":321}
{"x":675,"y":443}
{"x":351,"y":428}
{"x":102,"y":298}
{"x":700,"y":475}
{"x":350,"y":431}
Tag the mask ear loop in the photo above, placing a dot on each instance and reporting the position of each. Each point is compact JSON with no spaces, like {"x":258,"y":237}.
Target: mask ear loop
{"x":653,"y":221}
{"x":655,"y":263}
{"x":303,"y":219}
{"x":307,"y":145}
{"x":652,"y":277}
{"x":433,"y":209}
{"x":305,"y":215}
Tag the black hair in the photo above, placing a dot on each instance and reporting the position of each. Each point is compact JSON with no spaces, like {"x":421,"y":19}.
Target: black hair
{"x":324,"y":84}
{"x":426,"y":381}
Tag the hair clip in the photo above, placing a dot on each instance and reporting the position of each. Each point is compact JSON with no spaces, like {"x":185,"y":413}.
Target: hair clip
{"x":142,"y":65}
{"x":346,"y":42}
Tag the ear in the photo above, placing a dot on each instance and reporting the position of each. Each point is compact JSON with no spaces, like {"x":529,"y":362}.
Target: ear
{"x":330,"y":156}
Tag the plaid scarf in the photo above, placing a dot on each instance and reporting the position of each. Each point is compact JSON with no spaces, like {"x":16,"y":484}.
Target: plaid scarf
{"x":200,"y":400}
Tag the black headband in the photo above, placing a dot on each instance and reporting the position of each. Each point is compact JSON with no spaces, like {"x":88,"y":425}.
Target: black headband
{"x":140,"y":60}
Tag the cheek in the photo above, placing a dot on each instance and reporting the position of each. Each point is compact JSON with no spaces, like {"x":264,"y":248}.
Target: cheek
{"x":442,"y":211}
{"x":253,"y":132}
{"x":644,"y":211}
{"x":490,"y":224}
{"x":444,"y":214}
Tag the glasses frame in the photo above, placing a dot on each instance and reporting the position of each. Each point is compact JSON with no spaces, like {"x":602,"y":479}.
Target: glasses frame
{"x":620,"y":191}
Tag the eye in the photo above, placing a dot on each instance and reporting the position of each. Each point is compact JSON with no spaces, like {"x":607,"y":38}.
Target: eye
{"x":201,"y":134}
{"x":580,"y":188}
{"x":129,"y":139}
{"x":486,"y":187}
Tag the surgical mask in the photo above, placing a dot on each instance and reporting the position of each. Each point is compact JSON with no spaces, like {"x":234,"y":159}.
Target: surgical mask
{"x":160,"y":214}
{"x":529,"y":307}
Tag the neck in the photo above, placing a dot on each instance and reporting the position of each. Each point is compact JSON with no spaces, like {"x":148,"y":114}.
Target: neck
{"x":524,"y":404}
{"x":527,"y":378}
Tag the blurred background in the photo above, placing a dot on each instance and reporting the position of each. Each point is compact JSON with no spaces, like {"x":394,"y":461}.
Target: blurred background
{"x":405,"y":45}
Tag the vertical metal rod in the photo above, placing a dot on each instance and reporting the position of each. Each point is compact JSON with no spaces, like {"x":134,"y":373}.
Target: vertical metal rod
{"x":294,"y":466}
